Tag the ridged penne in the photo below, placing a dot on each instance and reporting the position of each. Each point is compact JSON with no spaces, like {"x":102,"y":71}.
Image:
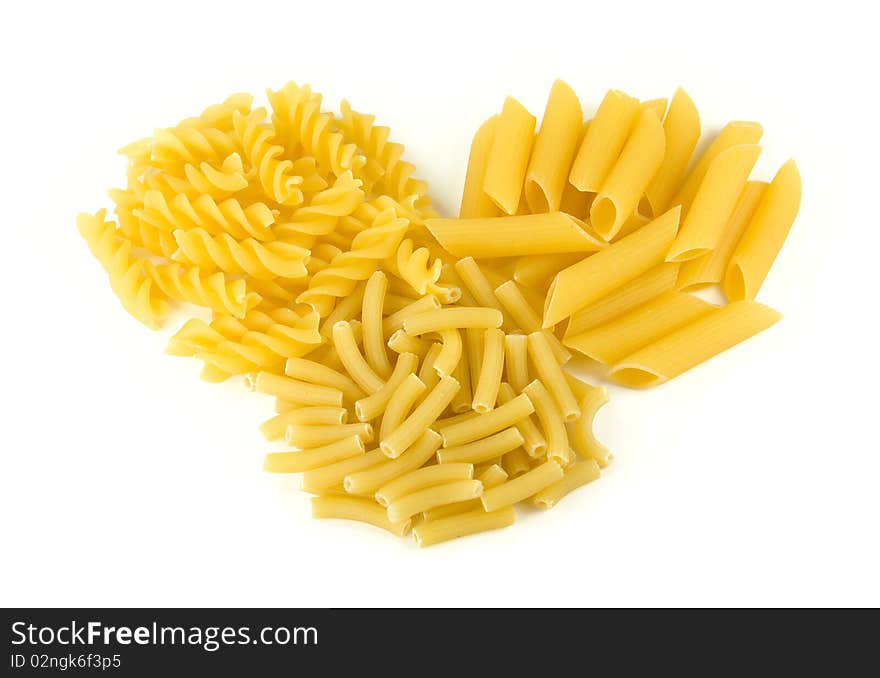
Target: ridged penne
{"x":474,"y":202}
{"x":509,"y":156}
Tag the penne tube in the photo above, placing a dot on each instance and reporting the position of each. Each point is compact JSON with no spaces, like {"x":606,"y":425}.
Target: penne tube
{"x":580,"y":433}
{"x":513,"y":236}
{"x":533,"y":441}
{"x":600,"y":274}
{"x":554,"y":149}
{"x":453,"y":318}
{"x":482,"y":450}
{"x":353,"y":360}
{"x":734,"y":134}
{"x":421,"y":478}
{"x":275,"y":428}
{"x":325,"y":478}
{"x":415,"y":425}
{"x":713,"y":205}
{"x":575,"y":476}
{"x":630,"y":176}
{"x":356,"y":508}
{"x":636,"y":292}
{"x":370,"y":480}
{"x":401,"y":342}
{"x":656,"y":106}
{"x":400,"y":404}
{"x":316,"y":373}
{"x":476,"y":283}
{"x":297,"y":435}
{"x":370,"y":407}
{"x":486,"y":389}
{"x":483,"y":426}
{"x":515,"y":463}
{"x":450,"y":352}
{"x":372,"y":320}
{"x":306,"y":460}
{"x":551,"y":375}
{"x":523,"y":487}
{"x":516,"y":360}
{"x":395,"y":321}
{"x":765,"y":235}
{"x":693,"y":344}
{"x":681,"y":127}
{"x":460,"y":525}
{"x":536,"y":271}
{"x":295,"y":391}
{"x":407,"y":506}
{"x":509,"y":156}
{"x":475,"y":203}
{"x":710,"y":268}
{"x":551,"y":422}
{"x":639,"y":327}
{"x":603,"y":141}
{"x":526,"y":317}
{"x":463,"y":400}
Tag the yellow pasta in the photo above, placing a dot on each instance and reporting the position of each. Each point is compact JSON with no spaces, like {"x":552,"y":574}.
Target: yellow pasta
{"x":710,"y":268}
{"x":353,"y":360}
{"x":483,"y":426}
{"x":734,"y":134}
{"x":693,"y":344}
{"x":298,"y":435}
{"x":474,"y":345}
{"x":330,"y":477}
{"x":682,"y":130}
{"x":513,"y":236}
{"x":463,"y":400}
{"x":765,"y":235}
{"x":575,"y":476}
{"x":459,"y":317}
{"x":509,"y":156}
{"x":639,"y":327}
{"x":401,"y":342}
{"x":463,"y":524}
{"x":516,"y":360}
{"x":404,"y":435}
{"x":296,"y":462}
{"x":486,"y":389}
{"x":554,"y":149}
{"x":476,"y":283}
{"x":357,"y":508}
{"x":490,"y":476}
{"x":630,"y":176}
{"x":450,"y":353}
{"x":295,"y":391}
{"x":713,"y":205}
{"x":316,"y":373}
{"x":656,"y":106}
{"x":552,"y":376}
{"x":523,"y":487}
{"x":427,"y":373}
{"x":580,"y":433}
{"x":516,"y":462}
{"x":603,"y":141}
{"x":533,"y":441}
{"x":439,"y":495}
{"x":527,"y":319}
{"x":440,"y":424}
{"x":395,"y":321}
{"x":600,"y":274}
{"x":536,"y":271}
{"x":551,"y":422}
{"x":417,"y":455}
{"x":475,"y":203}
{"x":400,"y":404}
{"x":310,"y":416}
{"x":429,"y":476}
{"x":371,"y":319}
{"x":370,"y":407}
{"x":482,"y":450}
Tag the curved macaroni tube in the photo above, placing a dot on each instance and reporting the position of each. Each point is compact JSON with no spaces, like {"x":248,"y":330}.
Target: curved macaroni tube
{"x":486,"y":390}
{"x":463,"y":524}
{"x":373,"y":405}
{"x":575,"y":476}
{"x":581,"y":432}
{"x":306,"y":460}
{"x":554,"y":428}
{"x":371,"y":319}
{"x":350,"y":355}
{"x":523,"y":487}
{"x":421,"y":478}
{"x":409,"y":431}
{"x":356,"y":508}
{"x":417,"y":455}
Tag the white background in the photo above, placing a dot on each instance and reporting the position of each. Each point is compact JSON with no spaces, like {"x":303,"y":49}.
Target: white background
{"x":126,"y":481}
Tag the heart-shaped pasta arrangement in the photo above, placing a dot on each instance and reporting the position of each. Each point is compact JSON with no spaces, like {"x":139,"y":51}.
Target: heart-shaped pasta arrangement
{"x":417,"y":361}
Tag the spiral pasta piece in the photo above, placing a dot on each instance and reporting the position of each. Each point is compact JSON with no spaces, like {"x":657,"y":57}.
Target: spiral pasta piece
{"x":128,"y":281}
{"x":214,"y":290}
{"x":219,"y":116}
{"x":260,"y":260}
{"x":415,"y":266}
{"x":145,"y":235}
{"x":320,"y":139}
{"x":368,"y":249}
{"x":175,"y":146}
{"x":287,"y":112}
{"x":322,"y":213}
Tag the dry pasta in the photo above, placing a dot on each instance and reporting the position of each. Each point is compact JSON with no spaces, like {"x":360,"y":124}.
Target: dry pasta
{"x":509,"y":156}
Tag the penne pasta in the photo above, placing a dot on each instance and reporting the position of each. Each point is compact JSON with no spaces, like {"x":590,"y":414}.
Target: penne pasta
{"x":516,"y":360}
{"x":533,"y":441}
{"x":551,"y":422}
{"x":483,"y":426}
{"x":450,"y":352}
{"x":400,"y":404}
{"x":306,"y":460}
{"x":513,"y":236}
{"x":536,"y":271}
{"x":486,"y":389}
{"x":580,"y":433}
{"x":523,"y":487}
{"x":509,"y":156}
{"x":295,"y":391}
{"x":551,"y":375}
{"x":460,"y":525}
{"x":357,"y":508}
{"x":371,"y":406}
{"x":316,"y":373}
{"x":407,"y":506}
{"x":600,"y":274}
{"x":372,"y":320}
{"x":603,"y":141}
{"x":656,"y":106}
{"x":710,"y":268}
{"x":475,"y":203}
{"x":325,"y":478}
{"x":421,"y":478}
{"x":712,"y":206}
{"x":459,"y":317}
{"x":631,"y":174}
{"x":639,"y":327}
{"x":554,"y":149}
{"x":575,"y":476}
{"x":274,"y":428}
{"x":693,"y":344}
{"x":352,"y":360}
{"x":482,"y":450}
{"x":415,"y":425}
{"x":417,"y":455}
{"x":765,"y":235}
